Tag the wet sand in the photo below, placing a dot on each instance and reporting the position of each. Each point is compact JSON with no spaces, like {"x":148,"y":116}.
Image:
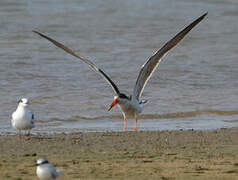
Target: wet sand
{"x":132,"y":155}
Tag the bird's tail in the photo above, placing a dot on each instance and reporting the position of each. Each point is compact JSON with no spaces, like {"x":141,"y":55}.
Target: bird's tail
{"x":59,"y":173}
{"x":143,"y":101}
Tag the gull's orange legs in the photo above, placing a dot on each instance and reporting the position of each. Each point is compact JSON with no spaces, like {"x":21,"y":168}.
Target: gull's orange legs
{"x":125,"y":123}
{"x":135,"y":127}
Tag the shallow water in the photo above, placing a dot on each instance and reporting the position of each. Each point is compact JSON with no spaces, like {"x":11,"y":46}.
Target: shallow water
{"x":195,"y":86}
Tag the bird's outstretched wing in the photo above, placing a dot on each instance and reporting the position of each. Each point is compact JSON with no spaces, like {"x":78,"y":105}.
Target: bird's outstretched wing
{"x":91,"y":64}
{"x":150,"y":65}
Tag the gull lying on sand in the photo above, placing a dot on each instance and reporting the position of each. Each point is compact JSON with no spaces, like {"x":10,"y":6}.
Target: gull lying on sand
{"x":46,"y":171}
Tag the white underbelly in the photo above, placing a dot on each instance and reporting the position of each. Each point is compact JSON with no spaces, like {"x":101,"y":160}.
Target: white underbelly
{"x":130,"y":111}
{"x":44,"y":174}
{"x":22,"y":123}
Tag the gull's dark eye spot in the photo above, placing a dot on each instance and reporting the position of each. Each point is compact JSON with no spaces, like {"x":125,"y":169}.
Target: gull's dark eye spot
{"x":20,"y":101}
{"x":45,"y":162}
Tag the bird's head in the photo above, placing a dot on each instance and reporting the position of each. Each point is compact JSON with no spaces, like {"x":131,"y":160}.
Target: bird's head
{"x":23,"y":102}
{"x":119,"y":98}
{"x":41,"y":161}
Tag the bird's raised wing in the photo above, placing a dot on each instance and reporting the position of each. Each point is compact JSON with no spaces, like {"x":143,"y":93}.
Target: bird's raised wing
{"x":93,"y":66}
{"x":150,"y":65}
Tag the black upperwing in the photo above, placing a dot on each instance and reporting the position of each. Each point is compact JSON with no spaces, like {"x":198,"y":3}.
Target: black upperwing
{"x":150,"y":65}
{"x":93,"y":66}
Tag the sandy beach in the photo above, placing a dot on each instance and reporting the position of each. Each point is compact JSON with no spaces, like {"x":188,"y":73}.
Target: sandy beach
{"x":132,"y":155}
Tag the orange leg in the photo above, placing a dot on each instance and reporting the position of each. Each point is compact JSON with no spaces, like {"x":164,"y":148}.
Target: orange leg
{"x":125,"y":122}
{"x":135,"y":127}
{"x":19,"y":134}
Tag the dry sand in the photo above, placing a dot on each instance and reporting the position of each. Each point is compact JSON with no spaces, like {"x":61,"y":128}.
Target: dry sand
{"x":132,"y":155}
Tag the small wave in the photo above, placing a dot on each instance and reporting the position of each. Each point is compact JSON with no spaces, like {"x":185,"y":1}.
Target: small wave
{"x":150,"y":116}
{"x":189,"y":114}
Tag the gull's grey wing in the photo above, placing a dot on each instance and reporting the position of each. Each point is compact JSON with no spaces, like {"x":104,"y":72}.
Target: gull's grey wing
{"x":58,"y":173}
{"x":93,"y":66}
{"x":32,"y":119}
{"x":149,"y":66}
{"x":54,"y":174}
{"x":53,"y":171}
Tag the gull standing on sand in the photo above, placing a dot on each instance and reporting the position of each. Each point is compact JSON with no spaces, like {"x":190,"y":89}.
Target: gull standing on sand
{"x":131,"y":106}
{"x":23,"y":118}
{"x":46,"y":171}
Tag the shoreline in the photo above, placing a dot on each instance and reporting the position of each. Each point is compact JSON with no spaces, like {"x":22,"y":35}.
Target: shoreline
{"x":184,"y":154}
{"x":40,"y":133}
